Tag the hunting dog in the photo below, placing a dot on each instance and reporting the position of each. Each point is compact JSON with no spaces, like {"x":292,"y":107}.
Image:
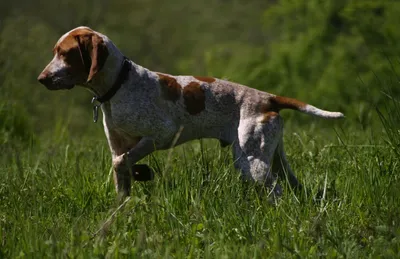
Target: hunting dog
{"x":144,"y":111}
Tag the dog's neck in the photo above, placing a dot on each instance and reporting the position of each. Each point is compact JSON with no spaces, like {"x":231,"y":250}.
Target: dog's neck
{"x":110,"y":73}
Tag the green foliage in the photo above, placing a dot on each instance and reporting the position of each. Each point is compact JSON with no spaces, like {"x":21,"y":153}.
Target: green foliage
{"x":15,"y":124}
{"x":329,"y":53}
{"x":323,"y":52}
{"x":390,"y":118}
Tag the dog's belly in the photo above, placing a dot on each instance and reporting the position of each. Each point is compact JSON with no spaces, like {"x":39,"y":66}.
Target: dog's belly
{"x":206,"y":125}
{"x":170,"y":124}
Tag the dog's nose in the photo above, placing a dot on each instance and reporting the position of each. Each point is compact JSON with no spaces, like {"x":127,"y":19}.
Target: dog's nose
{"x":44,"y":79}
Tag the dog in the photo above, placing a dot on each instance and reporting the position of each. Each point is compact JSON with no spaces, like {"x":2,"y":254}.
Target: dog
{"x":144,"y":111}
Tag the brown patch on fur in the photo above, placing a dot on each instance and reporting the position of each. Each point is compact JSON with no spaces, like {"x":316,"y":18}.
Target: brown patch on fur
{"x":68,"y":50}
{"x":268,"y":116}
{"x":194,"y":98}
{"x":83,"y":51}
{"x":205,"y":79}
{"x":265,"y":107}
{"x":170,"y":88}
{"x":280,"y":102}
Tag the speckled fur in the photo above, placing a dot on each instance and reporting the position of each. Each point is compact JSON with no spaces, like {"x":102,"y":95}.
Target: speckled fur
{"x":139,"y":119}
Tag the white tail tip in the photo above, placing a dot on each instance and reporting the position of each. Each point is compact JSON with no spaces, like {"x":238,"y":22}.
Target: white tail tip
{"x":322,"y":113}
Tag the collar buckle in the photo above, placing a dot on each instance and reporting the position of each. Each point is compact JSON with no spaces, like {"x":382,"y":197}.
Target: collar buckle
{"x":95,"y":109}
{"x":123,"y":74}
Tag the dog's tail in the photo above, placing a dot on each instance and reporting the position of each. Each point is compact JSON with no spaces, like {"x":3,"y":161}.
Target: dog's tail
{"x":280,"y":102}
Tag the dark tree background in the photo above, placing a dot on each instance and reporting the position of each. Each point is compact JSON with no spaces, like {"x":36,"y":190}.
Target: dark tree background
{"x":336,"y":54}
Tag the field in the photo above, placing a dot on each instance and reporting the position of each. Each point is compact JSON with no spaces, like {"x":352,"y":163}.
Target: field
{"x":57,"y":198}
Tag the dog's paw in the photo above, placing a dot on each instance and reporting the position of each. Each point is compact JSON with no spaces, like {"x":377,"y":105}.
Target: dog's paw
{"x":139,"y":172}
{"x":142,"y":172}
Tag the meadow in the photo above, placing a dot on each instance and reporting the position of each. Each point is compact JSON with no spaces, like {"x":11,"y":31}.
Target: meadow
{"x":57,"y":198}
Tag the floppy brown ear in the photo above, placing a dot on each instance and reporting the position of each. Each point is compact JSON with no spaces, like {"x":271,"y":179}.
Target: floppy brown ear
{"x":94,"y":53}
{"x":98,"y":56}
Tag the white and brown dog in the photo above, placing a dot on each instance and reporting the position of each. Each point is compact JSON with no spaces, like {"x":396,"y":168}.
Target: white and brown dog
{"x":144,"y":110}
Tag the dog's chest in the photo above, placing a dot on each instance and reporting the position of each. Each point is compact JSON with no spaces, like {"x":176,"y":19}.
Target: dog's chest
{"x":127,"y":118}
{"x":137,"y":117}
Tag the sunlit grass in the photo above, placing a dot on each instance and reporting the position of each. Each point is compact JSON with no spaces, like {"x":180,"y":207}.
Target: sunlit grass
{"x":58,"y":200}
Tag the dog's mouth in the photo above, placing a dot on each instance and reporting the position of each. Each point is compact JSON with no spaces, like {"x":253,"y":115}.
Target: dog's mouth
{"x":52,"y":83}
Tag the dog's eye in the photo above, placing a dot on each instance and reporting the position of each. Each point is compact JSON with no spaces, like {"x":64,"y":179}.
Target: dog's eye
{"x":62,"y":53}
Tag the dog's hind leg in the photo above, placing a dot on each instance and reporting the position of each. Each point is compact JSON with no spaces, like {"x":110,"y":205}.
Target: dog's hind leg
{"x":253,"y":152}
{"x":281,"y":166}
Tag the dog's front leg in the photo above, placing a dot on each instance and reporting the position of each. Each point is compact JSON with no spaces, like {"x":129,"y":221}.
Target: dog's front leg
{"x":124,"y":165}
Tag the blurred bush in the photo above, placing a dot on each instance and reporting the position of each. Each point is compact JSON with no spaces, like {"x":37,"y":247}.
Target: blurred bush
{"x":333,"y":53}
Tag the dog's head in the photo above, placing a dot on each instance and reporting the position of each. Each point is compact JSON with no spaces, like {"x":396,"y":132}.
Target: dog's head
{"x":78,"y":56}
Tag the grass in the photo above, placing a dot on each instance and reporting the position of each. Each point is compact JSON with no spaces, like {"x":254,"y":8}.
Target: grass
{"x":57,"y":200}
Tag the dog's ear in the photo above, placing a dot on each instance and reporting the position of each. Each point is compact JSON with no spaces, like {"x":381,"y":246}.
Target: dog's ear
{"x":94,"y":53}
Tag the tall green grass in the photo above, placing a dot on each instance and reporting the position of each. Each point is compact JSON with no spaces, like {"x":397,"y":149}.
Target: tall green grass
{"x":57,"y":199}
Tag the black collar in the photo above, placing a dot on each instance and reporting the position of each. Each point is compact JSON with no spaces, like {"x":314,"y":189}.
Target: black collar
{"x":123,"y":75}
